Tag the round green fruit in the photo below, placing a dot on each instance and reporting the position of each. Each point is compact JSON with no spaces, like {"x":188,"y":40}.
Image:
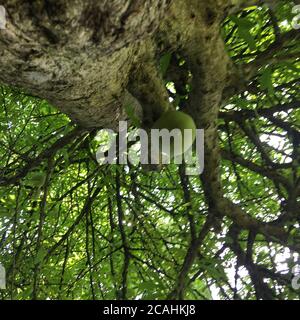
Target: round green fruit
{"x":171,"y":120}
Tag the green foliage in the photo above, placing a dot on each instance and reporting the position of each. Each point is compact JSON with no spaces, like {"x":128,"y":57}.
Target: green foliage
{"x":82,"y":230}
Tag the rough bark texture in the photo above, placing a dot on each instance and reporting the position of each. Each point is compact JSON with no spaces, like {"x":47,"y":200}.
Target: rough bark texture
{"x":77,"y":54}
{"x":83,"y":56}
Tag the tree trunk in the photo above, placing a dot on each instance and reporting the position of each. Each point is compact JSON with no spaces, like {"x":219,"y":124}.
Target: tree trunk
{"x":86,"y":56}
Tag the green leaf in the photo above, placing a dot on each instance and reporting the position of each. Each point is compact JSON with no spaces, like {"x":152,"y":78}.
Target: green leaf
{"x":244,"y":26}
{"x":40,"y":255}
{"x":35,"y":179}
{"x":131,"y":115}
{"x":266,"y":80}
{"x":165,"y":62}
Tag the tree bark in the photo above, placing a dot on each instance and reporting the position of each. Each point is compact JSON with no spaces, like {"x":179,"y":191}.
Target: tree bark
{"x":85,"y":57}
